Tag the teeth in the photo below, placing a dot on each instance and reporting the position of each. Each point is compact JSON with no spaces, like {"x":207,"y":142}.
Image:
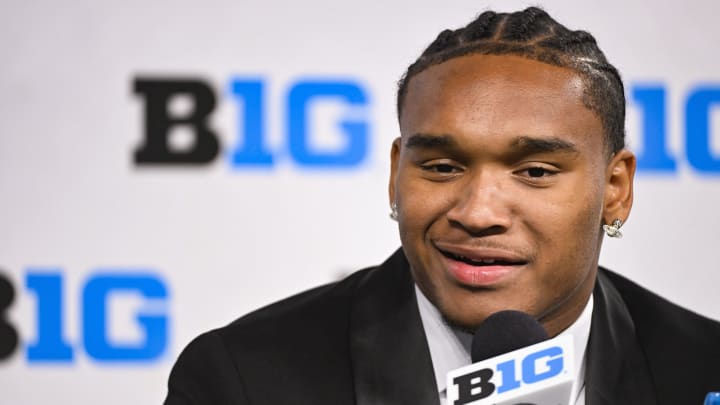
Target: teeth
{"x":465,"y":259}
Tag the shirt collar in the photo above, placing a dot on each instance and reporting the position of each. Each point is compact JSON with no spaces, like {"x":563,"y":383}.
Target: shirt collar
{"x":450,"y":347}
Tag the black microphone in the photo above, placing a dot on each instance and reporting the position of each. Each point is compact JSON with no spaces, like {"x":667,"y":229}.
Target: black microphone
{"x":504,"y":332}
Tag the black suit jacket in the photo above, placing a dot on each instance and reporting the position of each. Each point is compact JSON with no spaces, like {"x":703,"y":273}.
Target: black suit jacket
{"x":361,"y":341}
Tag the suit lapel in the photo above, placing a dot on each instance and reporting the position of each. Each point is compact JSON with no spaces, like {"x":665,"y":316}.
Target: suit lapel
{"x":617,"y":372}
{"x":390,"y":356}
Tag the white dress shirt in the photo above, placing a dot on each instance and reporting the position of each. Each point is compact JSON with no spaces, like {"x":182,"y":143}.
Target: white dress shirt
{"x":450,"y":347}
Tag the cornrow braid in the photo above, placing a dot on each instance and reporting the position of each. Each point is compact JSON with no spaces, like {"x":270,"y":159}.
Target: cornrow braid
{"x":533,"y":34}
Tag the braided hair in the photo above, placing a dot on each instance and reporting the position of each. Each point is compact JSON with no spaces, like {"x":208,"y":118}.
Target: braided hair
{"x":533,"y":34}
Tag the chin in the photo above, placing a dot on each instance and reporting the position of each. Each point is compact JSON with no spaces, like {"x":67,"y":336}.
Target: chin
{"x":468,"y":312}
{"x":468,"y":319}
{"x":463,"y":325}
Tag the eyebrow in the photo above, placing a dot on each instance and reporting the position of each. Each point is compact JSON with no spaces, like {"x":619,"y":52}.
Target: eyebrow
{"x":522,"y":145}
{"x":427,"y":141}
{"x":530,"y":145}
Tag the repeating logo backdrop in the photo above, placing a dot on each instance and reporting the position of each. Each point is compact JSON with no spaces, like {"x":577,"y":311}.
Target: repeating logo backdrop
{"x":166,"y":167}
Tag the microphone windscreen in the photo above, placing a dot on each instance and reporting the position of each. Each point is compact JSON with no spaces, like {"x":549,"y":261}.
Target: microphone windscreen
{"x":503,"y":332}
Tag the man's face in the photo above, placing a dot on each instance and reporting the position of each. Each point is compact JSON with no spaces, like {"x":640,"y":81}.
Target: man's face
{"x":500,"y":178}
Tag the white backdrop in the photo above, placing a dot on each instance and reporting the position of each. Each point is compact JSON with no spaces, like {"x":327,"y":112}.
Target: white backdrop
{"x":224,"y":240}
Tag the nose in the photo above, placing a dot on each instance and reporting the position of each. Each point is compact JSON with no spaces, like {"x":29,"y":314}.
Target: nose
{"x":482,"y":205}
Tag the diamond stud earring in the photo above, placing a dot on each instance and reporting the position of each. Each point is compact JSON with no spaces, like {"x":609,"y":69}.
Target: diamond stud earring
{"x":613,"y":230}
{"x":393,"y":212}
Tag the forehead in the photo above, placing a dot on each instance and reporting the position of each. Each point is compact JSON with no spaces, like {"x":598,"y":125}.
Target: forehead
{"x":493,"y":95}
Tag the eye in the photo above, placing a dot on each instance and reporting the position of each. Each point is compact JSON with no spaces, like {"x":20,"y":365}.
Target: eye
{"x":537,"y":172}
{"x":443,"y":168}
{"x":440,"y":170}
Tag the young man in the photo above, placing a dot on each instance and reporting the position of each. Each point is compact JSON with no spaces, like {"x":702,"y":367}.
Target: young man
{"x":509,"y":171}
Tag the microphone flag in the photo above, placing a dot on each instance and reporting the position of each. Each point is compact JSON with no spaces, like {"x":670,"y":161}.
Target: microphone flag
{"x":540,"y":374}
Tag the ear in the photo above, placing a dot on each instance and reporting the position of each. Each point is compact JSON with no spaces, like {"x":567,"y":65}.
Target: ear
{"x":394,"y":162}
{"x":619,"y":187}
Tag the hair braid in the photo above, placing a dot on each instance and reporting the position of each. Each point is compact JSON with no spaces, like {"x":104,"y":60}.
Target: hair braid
{"x":534,"y":34}
{"x":482,"y":28}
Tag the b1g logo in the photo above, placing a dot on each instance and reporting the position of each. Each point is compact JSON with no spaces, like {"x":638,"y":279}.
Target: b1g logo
{"x":98,"y":292}
{"x":654,"y":155}
{"x":250,"y":98}
{"x":538,"y":374}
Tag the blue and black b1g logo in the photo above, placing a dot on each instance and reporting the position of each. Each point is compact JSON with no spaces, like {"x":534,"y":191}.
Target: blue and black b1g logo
{"x":297,"y":129}
{"x":95,"y":317}
{"x":517,"y":377}
{"x":481,"y":384}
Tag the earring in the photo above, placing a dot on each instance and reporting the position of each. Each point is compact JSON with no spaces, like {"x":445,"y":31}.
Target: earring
{"x":613,"y":230}
{"x":393,"y":211}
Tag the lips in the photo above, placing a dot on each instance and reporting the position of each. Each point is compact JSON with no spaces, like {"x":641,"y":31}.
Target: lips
{"x":480,"y":267}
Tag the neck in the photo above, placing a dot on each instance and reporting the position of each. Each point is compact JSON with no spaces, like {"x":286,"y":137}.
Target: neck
{"x":560,"y":317}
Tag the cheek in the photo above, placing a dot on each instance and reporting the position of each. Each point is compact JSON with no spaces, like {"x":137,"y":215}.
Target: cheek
{"x":569,"y":233}
{"x":585,"y":211}
{"x":420,"y":202}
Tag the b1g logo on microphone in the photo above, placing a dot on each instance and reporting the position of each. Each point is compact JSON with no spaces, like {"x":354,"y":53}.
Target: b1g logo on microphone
{"x":538,"y":374}
{"x":348,"y":132}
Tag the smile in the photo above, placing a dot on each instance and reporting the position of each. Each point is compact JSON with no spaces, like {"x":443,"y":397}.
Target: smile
{"x":479,"y":267}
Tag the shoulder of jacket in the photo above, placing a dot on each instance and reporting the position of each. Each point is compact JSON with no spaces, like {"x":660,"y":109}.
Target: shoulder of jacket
{"x":658,"y":319}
